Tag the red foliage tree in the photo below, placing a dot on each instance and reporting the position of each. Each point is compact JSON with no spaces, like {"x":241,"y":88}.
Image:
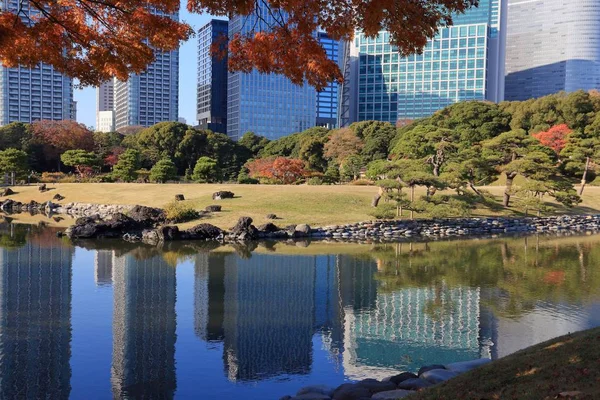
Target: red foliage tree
{"x":555,"y":137}
{"x":113,"y":156}
{"x":56,"y":137}
{"x":280,"y":170}
{"x":94,"y":40}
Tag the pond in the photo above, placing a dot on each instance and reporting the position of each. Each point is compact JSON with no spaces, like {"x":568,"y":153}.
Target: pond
{"x":101,"y":320}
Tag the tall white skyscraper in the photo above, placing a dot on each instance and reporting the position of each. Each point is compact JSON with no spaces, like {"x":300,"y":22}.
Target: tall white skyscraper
{"x":552,"y":45}
{"x":151,"y":97}
{"x":33,"y":94}
{"x":105,"y":107}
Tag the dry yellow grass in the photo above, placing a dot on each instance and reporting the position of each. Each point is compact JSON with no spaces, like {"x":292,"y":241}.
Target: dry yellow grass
{"x":315,"y":205}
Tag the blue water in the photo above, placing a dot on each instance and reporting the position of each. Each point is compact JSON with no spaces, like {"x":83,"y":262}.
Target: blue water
{"x":188,"y":322}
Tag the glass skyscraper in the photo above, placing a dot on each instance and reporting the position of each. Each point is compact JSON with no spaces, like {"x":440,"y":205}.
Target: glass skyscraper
{"x":33,"y":94}
{"x":552,"y":45}
{"x":151,"y":97}
{"x":212,"y":78}
{"x":463,"y":62}
{"x":327,"y":99}
{"x":271,"y":105}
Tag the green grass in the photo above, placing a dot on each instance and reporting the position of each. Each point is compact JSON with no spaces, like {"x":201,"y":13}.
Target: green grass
{"x":567,"y":364}
{"x":315,"y":205}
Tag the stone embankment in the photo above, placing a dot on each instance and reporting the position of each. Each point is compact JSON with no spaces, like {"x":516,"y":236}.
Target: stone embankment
{"x":400,"y":230}
{"x":392,"y":388}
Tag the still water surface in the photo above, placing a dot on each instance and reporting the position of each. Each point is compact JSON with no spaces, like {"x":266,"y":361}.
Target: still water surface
{"x":101,"y":321}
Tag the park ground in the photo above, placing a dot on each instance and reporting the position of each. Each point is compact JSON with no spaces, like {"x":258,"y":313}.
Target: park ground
{"x":313,"y":205}
{"x":566,"y":367}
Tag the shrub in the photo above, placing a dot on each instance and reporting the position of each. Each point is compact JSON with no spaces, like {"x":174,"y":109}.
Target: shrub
{"x":384,"y":211}
{"x":125,"y":168}
{"x":244,"y":178}
{"x":178,"y":212}
{"x":52,"y":177}
{"x":362,"y":182}
{"x":206,"y":170}
{"x":164,"y":170}
{"x":315,"y":181}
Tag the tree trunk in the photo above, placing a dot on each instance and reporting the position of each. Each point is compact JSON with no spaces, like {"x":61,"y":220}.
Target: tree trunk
{"x":584,"y":177}
{"x":473,"y":188}
{"x":377,"y":198}
{"x":412,"y":199}
{"x":510,"y":177}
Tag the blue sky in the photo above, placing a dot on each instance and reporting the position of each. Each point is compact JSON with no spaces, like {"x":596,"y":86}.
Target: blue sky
{"x":86,"y":98}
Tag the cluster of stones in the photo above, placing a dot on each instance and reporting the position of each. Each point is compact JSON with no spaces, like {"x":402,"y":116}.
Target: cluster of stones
{"x":462,"y":227}
{"x":14,"y":207}
{"x":103,"y":211}
{"x":392,"y":388}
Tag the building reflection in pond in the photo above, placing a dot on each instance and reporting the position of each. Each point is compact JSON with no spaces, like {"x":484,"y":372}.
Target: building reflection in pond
{"x":271,"y":306}
{"x":35,"y":322}
{"x":143,"y":362}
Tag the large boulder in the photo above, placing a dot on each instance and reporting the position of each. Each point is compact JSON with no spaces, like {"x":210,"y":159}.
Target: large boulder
{"x":302,"y":230}
{"x":6,"y":192}
{"x":147,"y":216}
{"x":392,"y":394}
{"x":320,"y":389}
{"x":351,"y":391}
{"x":268,"y":228}
{"x":223,"y":194}
{"x":244,"y":230}
{"x":376,"y":386}
{"x":92,"y":227}
{"x":436,"y":376}
{"x":214,"y":208}
{"x":202,"y":232}
{"x":414,"y":384}
{"x":466,"y":366}
{"x":397,"y":379}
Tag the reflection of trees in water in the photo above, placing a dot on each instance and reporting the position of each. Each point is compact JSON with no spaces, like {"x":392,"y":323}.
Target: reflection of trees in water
{"x":525,"y":270}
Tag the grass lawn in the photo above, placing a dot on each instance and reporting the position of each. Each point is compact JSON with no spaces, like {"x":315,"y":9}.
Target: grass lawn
{"x":314,"y":205}
{"x":566,"y":367}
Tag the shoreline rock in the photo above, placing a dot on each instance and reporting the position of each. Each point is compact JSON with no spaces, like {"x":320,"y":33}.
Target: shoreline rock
{"x":392,"y":388}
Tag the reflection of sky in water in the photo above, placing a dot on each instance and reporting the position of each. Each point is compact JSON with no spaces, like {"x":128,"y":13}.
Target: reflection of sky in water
{"x":220,"y":326}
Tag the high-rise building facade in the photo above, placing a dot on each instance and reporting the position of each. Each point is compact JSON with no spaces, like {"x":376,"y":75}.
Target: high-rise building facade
{"x":151,"y":97}
{"x":267,"y":104}
{"x":552,"y":45}
{"x":105,"y":107}
{"x":462,"y":62}
{"x":33,"y":94}
{"x":212,"y":77}
{"x":327,"y":99}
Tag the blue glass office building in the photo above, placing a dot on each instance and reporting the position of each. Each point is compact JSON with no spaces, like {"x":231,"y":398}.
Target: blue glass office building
{"x":212,"y":78}
{"x":327,"y":99}
{"x":271,"y":105}
{"x":463,"y":62}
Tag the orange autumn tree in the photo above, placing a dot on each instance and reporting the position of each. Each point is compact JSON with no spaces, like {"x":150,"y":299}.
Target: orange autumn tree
{"x":555,"y":137}
{"x":93,"y":40}
{"x":277,"y":169}
{"x":56,"y":137}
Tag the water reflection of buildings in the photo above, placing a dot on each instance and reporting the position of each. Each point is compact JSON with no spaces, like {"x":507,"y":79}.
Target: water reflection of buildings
{"x":266,"y":310}
{"x":103,"y":264}
{"x":35,"y":322}
{"x":143,"y":364}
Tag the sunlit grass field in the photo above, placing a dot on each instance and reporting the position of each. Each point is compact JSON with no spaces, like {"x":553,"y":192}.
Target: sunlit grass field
{"x":314,"y":205}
